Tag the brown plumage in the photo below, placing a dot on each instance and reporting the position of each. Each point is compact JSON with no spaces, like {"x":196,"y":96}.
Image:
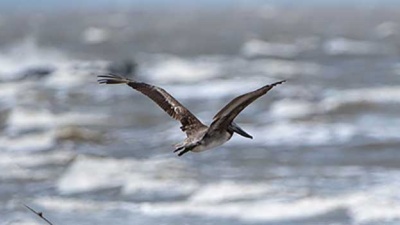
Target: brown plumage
{"x":199,"y":136}
{"x":162,"y":98}
{"x":227,"y":114}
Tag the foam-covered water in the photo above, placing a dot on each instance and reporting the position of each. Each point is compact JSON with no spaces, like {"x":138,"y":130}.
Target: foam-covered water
{"x":325,"y":147}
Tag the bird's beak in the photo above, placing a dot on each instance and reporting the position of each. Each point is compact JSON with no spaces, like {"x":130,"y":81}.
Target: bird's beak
{"x":240,"y":131}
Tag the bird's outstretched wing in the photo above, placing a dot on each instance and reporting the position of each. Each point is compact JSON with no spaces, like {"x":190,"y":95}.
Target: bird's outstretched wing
{"x":227,"y":114}
{"x":162,"y":98}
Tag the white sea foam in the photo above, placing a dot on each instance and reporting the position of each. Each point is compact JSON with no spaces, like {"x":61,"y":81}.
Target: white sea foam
{"x":10,"y":92}
{"x":226,"y":191}
{"x":154,"y":178}
{"x":378,"y":203}
{"x":282,"y":68}
{"x":247,"y":211}
{"x":29,"y":142}
{"x":168,"y":68}
{"x":364,"y":206}
{"x":22,"y":119}
{"x":64,"y":79}
{"x":387,"y":29}
{"x":88,"y":174}
{"x":145,"y":188}
{"x":362,"y":96}
{"x":334,"y":100}
{"x":36,"y":159}
{"x":344,"y":46}
{"x":375,"y":204}
{"x":95,"y":35}
{"x":301,"y":133}
{"x":23,"y":222}
{"x":72,"y":205}
{"x":74,"y":73}
{"x":18,"y":165}
{"x":291,"y":109}
{"x":379,"y":129}
{"x":27,"y":54}
{"x":256,"y":47}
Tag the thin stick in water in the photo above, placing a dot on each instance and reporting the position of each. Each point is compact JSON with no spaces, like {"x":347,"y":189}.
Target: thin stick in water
{"x":39,"y":214}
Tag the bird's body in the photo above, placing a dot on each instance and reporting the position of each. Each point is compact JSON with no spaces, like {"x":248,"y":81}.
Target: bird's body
{"x":199,"y":136}
{"x":201,"y":141}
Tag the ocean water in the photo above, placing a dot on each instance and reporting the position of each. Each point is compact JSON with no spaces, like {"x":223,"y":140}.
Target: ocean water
{"x":326,"y":143}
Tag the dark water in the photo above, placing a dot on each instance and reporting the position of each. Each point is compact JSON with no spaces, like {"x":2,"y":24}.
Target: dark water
{"x":325,"y":147}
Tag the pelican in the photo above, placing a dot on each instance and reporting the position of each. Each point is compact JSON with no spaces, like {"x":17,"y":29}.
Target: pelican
{"x":199,"y":137}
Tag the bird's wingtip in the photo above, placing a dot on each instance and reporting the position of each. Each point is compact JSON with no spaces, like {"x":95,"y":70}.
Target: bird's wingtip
{"x":112,"y":79}
{"x":279,"y":82}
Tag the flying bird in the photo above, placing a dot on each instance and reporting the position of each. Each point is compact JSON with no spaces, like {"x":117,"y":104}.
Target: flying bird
{"x":199,"y":137}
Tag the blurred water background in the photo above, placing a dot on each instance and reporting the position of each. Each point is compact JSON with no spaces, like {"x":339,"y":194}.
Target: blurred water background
{"x":326,"y":143}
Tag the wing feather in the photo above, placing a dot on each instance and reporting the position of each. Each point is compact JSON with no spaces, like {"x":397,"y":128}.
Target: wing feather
{"x":229,"y":112}
{"x":162,"y":98}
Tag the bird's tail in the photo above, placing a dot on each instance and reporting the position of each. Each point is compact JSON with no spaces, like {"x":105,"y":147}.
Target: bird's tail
{"x":112,"y":79}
